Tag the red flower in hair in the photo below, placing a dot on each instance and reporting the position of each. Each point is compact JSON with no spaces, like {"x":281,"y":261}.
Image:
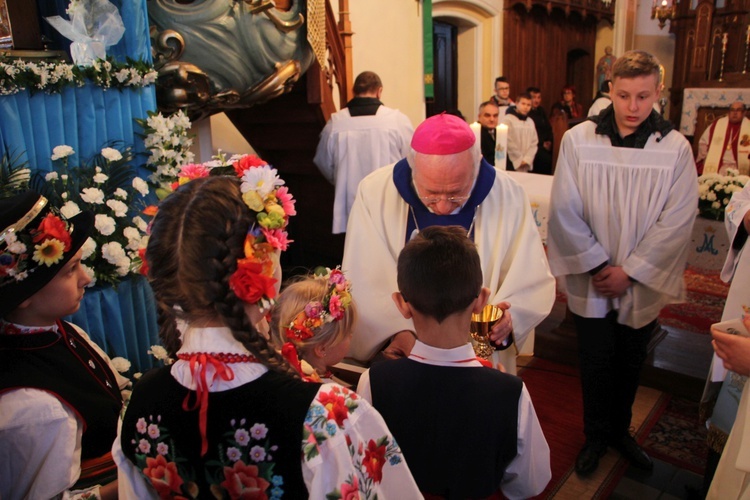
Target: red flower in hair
{"x":53,"y":227}
{"x":249,"y":283}
{"x":144,"y":263}
{"x":248,"y":161}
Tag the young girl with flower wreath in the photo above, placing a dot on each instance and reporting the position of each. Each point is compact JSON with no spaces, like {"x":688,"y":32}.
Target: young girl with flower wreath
{"x":312,"y":323}
{"x":231,"y":418}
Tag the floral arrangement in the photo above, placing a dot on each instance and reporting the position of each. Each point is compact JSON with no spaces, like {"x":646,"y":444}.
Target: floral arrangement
{"x":169,"y":143}
{"x":317,"y":313}
{"x":716,"y":190}
{"x":264,"y":193}
{"x":107,"y":186}
{"x":53,"y":76}
{"x":44,"y":245}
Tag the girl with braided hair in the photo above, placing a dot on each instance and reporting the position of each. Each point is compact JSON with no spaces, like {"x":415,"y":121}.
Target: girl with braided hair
{"x":231,"y":417}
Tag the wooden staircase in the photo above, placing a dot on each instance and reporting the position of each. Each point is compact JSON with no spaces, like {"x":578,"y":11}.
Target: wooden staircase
{"x":284,"y":131}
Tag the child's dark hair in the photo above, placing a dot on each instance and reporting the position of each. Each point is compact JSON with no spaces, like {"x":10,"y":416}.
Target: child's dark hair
{"x":196,"y":238}
{"x":439,"y":272}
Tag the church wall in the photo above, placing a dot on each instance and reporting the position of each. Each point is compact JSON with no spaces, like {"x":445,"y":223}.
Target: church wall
{"x":388,"y":40}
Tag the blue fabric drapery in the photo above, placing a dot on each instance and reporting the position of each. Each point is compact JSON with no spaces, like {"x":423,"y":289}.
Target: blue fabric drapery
{"x":122,"y":320}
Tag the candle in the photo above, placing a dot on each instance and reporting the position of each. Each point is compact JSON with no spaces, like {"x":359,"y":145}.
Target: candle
{"x":747,"y":41}
{"x":476,"y":127}
{"x":501,"y":146}
{"x":663,"y":3}
{"x":724,"y":39}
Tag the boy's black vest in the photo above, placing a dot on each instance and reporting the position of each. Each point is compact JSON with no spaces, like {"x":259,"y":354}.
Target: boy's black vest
{"x":457,"y":426}
{"x":274,"y":401}
{"x":67,"y":367}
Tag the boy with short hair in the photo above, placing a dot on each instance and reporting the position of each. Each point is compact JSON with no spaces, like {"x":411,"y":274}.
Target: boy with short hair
{"x":59,"y":396}
{"x":622,"y":208}
{"x":466,"y":430}
{"x":522,"y":138}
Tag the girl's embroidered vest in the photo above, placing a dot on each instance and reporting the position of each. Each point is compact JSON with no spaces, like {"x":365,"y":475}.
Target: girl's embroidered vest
{"x":254,"y":437}
{"x":67,"y":367}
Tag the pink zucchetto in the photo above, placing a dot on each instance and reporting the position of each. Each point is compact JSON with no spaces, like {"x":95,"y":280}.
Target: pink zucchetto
{"x":442,"y":134}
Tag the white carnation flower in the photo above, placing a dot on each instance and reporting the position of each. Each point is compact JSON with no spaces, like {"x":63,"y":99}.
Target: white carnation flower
{"x":62,"y":151}
{"x":70,"y":209}
{"x":140,"y":224}
{"x":121,"y":193}
{"x":104,"y":224}
{"x":17,"y":247}
{"x":120,"y":364}
{"x":119,"y":208}
{"x":51,"y":176}
{"x":88,"y":248}
{"x":113,"y":252}
{"x":90,"y":273}
{"x":100,"y":178}
{"x":716,"y":204}
{"x":158,"y":352}
{"x":92,"y":195}
{"x":140,"y":186}
{"x":134,"y":237}
{"x":111,"y":154}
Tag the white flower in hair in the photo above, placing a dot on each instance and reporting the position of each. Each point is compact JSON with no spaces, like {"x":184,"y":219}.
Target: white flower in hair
{"x":70,"y":209}
{"x":119,"y":208}
{"x":263,"y":180}
{"x":104,"y":224}
{"x":16,"y":247}
{"x":61,"y":151}
{"x":92,"y":195}
{"x":111,"y":154}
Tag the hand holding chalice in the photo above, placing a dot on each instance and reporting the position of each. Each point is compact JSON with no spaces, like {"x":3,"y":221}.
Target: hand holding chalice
{"x":481,"y":325}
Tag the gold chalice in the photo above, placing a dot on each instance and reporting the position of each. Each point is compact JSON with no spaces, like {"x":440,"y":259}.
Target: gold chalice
{"x":481,"y":325}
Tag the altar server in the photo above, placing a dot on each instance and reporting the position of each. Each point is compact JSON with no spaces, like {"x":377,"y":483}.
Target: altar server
{"x":59,"y":395}
{"x":623,"y":205}
{"x":363,"y":136}
{"x":444,"y":181}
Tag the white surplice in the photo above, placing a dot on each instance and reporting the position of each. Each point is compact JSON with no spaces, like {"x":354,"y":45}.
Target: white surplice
{"x":629,"y":207}
{"x":351,"y":147}
{"x":732,"y":478}
{"x":522,"y":140}
{"x":514,"y":265}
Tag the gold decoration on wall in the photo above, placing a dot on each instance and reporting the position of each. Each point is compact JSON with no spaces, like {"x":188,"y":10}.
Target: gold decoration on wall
{"x":316,"y":29}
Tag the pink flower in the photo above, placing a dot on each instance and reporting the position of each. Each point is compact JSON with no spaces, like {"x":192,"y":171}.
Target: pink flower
{"x":153,"y":431}
{"x":162,"y":448}
{"x":334,"y":306}
{"x":242,"y":437}
{"x":144,"y":446}
{"x":313,"y":309}
{"x":350,"y":491}
{"x":286,"y":201}
{"x":193,"y":171}
{"x":141,"y":425}
{"x":258,"y":431}
{"x":277,"y":238}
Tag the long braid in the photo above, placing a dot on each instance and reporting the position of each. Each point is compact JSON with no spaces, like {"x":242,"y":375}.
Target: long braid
{"x":207,"y":226}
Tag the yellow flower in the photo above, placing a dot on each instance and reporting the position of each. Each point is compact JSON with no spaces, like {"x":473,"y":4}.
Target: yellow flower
{"x":49,"y":252}
{"x":253,"y":201}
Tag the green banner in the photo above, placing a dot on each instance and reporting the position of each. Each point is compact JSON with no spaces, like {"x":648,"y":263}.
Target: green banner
{"x":429,"y":87}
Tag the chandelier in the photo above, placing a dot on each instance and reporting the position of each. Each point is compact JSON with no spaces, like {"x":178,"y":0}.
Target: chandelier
{"x":663,"y":11}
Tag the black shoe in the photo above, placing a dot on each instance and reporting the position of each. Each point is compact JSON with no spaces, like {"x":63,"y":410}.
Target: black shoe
{"x":588,"y":458}
{"x":629,"y":449}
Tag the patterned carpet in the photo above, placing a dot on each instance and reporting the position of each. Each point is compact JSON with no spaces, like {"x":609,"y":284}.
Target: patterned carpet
{"x":706,"y":294}
{"x":678,"y":437}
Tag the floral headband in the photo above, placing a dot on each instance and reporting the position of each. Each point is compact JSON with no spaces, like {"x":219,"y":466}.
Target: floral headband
{"x":27,"y":249}
{"x":317,"y":313}
{"x":264,"y":193}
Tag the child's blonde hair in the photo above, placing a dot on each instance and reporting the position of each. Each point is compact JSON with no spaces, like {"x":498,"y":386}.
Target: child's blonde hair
{"x":297,"y":294}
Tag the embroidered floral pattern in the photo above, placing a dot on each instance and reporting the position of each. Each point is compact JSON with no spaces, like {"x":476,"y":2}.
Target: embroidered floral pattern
{"x":328,"y":415}
{"x":243,"y":467}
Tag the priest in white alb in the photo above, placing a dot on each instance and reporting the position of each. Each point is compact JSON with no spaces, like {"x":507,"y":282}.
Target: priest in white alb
{"x":444,"y":182}
{"x":726,"y":143}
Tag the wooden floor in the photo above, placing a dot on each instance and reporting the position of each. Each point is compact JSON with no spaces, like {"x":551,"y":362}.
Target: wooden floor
{"x":677,"y":364}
